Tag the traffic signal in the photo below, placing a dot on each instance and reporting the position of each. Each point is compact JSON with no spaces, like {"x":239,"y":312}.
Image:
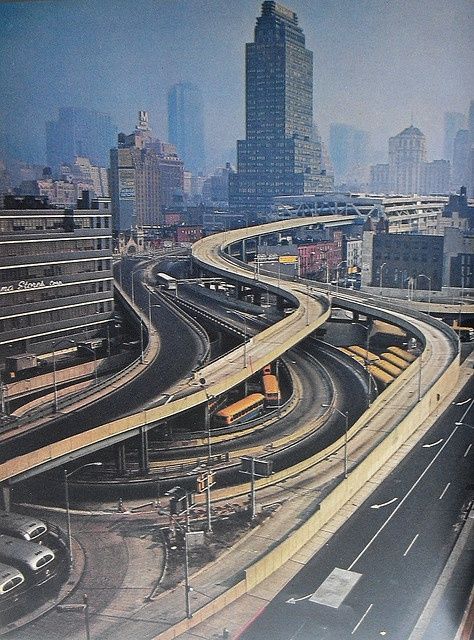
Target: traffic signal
{"x":201,"y":483}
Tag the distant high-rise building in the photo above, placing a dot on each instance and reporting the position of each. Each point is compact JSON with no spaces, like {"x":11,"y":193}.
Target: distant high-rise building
{"x":406,"y":154}
{"x":79,"y":132}
{"x":348,"y":148}
{"x":379,"y":178}
{"x":435,"y":177}
{"x":145,"y":174}
{"x":279,"y":155}
{"x":461,"y":156}
{"x":186,"y":124}
{"x":453,"y":121}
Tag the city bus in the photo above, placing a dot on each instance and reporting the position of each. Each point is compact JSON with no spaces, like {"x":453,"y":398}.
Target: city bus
{"x":34,"y":560}
{"x":401,"y":353}
{"x":271,"y":391}
{"x":393,"y":359}
{"x":382,"y":377}
{"x":21,"y":526}
{"x":389,"y":368}
{"x":11,"y":580}
{"x":248,"y":407}
{"x":364,"y":353}
{"x":167,"y":281}
{"x":352,"y":355}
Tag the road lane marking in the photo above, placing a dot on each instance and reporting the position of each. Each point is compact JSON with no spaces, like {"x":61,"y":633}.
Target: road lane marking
{"x":444,"y":491}
{"x":409,"y":492}
{"x":361,"y":620}
{"x":433,"y":444}
{"x":410,"y":545}
{"x":467,"y":451}
{"x":384,"y":504}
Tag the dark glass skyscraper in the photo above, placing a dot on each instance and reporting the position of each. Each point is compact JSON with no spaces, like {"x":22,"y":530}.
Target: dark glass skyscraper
{"x":186,"y":125}
{"x":79,"y":132}
{"x":279,"y":155}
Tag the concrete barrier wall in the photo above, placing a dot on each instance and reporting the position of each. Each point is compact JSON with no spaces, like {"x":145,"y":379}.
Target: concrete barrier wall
{"x":330,"y":505}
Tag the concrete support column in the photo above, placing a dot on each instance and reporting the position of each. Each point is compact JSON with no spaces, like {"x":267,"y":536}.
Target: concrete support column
{"x":120,"y":460}
{"x":240,"y":292}
{"x":355,"y":316}
{"x":144,"y":460}
{"x":6,"y":497}
{"x":257,"y":297}
{"x":280,"y":303}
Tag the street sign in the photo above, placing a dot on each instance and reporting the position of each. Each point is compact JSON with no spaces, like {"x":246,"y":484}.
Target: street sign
{"x":288,"y":259}
{"x":262,"y":468}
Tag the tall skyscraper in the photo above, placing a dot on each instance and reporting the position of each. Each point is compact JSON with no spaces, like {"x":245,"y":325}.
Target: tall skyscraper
{"x":348,"y":148}
{"x":79,"y":132}
{"x":406,"y":155}
{"x":186,"y":124}
{"x":453,"y":121}
{"x":279,"y":155}
{"x":461,"y":156}
{"x":145,"y":174}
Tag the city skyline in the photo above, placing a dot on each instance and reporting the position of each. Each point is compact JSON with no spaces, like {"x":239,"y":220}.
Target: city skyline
{"x":411,"y":60}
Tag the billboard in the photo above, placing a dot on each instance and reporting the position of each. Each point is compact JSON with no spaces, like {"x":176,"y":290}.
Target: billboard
{"x":126,"y":184}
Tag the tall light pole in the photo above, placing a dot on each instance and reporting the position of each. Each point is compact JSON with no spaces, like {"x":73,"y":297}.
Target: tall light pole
{"x":422,"y":275}
{"x":367,"y":343}
{"x":67,"y":475}
{"x":244,"y":318}
{"x":132,"y":288}
{"x":337,"y":273}
{"x":345,"y":415}
{"x":384,"y":264}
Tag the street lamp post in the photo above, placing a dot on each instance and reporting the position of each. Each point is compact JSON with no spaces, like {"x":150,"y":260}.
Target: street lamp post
{"x":384,"y":264}
{"x":337,"y":273}
{"x":422,"y":275}
{"x":345,"y":415}
{"x":244,"y":318}
{"x":367,"y":344}
{"x":79,"y":607}
{"x":66,"y":496}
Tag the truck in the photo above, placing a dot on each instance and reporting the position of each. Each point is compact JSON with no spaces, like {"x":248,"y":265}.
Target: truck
{"x":22,"y":363}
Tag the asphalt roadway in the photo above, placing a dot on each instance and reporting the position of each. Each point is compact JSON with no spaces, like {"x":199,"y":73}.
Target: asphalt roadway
{"x":398,"y":541}
{"x":175,"y":360}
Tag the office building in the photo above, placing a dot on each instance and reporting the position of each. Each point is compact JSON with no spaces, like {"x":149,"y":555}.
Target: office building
{"x":55,"y":274}
{"x":79,"y":132}
{"x":461,"y":159}
{"x":145,"y":176}
{"x":406,"y":154}
{"x":348,"y":148}
{"x":279,"y":155}
{"x":453,"y":121}
{"x":378,"y":182}
{"x":186,"y":125}
{"x":435,"y":177}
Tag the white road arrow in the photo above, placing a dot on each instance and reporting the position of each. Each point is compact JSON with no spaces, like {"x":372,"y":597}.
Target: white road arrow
{"x":295,"y":600}
{"x":385,"y":504}
{"x":433,"y":444}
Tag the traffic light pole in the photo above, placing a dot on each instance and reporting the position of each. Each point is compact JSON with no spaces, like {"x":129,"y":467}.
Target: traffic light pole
{"x":208,"y":504}
{"x":253,"y":509}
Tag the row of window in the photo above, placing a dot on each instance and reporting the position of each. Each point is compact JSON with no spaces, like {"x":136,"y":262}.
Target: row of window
{"x":53,"y":247}
{"x":35,"y":272}
{"x":66,"y":223}
{"x":27,"y":296}
{"x":54,"y":316}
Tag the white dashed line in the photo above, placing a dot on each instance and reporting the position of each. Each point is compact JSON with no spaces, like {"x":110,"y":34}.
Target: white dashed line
{"x":410,"y":545}
{"x":362,"y":619}
{"x":444,"y":491}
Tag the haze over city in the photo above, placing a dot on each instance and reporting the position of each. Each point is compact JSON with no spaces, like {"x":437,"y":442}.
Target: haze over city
{"x":378,"y":65}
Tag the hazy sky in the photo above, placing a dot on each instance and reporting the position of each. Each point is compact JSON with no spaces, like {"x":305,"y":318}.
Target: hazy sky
{"x":376,"y":62}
